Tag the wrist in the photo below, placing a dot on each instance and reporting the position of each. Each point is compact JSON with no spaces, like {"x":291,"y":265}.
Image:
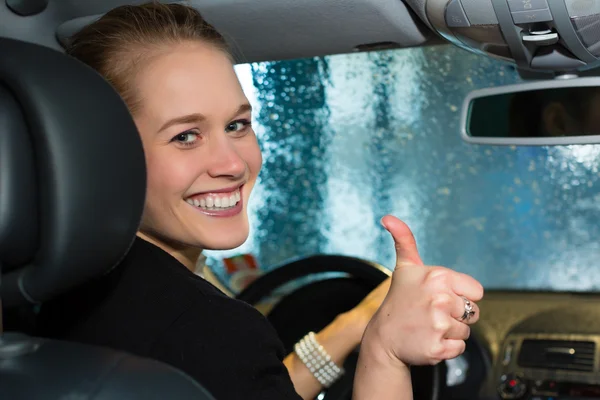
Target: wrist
{"x":372,"y":347}
{"x":317,"y":360}
{"x":379,"y":374}
{"x":341,"y":337}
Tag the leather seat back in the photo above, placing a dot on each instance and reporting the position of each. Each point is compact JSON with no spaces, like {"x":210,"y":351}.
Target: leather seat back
{"x":72,"y":187}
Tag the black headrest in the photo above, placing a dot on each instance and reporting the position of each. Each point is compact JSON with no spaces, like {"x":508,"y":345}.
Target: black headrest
{"x":72,"y":174}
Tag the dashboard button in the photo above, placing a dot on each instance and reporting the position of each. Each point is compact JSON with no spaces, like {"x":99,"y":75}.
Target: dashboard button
{"x":527,"y":5}
{"x":529,"y":17}
{"x":480,"y":12}
{"x":512,"y":387}
{"x":455,"y":15}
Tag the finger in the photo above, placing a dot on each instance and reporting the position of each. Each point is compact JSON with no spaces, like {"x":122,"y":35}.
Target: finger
{"x":465,"y":285}
{"x":459,"y":308}
{"x":453,"y":348}
{"x":404,"y":241}
{"x":458,"y":331}
{"x":447,"y":303}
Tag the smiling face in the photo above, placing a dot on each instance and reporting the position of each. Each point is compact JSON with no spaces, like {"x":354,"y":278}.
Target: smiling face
{"x":202,"y":155}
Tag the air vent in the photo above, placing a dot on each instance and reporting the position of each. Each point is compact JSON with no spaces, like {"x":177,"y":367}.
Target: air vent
{"x":557,"y":354}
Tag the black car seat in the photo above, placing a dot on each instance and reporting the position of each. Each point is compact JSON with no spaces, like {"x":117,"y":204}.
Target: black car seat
{"x":72,"y":187}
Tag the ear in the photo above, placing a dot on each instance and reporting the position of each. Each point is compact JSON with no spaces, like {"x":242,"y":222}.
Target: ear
{"x":556,"y":121}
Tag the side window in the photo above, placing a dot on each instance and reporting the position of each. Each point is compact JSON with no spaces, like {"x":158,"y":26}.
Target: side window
{"x":349,"y":138}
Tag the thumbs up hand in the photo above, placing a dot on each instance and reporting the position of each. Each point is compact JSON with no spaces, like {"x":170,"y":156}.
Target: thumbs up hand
{"x":425,"y":316}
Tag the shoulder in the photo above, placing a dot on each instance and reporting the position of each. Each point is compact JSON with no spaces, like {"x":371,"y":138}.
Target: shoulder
{"x":148,"y":265}
{"x":132,"y":305}
{"x":230,"y":348}
{"x":202,"y":309}
{"x":227,"y":321}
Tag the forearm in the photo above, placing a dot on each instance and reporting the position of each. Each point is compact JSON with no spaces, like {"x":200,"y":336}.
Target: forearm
{"x":381,"y":377}
{"x":339,"y":339}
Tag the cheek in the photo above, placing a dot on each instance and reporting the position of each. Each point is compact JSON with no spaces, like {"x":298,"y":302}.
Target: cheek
{"x":168,"y":173}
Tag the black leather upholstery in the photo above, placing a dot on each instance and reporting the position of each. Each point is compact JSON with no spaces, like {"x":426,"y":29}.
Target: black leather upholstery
{"x":72,"y":187}
{"x":18,"y":208}
{"x":60,"y":370}
{"x":78,"y":205}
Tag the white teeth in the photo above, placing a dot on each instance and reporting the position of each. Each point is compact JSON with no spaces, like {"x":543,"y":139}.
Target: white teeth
{"x":215,"y":202}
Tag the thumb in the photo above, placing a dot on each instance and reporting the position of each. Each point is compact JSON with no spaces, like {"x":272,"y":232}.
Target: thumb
{"x":404,"y":241}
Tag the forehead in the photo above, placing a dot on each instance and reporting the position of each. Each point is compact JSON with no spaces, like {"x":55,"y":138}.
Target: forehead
{"x":189,"y":78}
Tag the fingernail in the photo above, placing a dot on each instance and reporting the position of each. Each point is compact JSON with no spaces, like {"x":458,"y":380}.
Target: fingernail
{"x":382,"y":224}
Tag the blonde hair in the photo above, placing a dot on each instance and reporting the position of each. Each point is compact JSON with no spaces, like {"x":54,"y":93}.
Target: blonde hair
{"x":126,"y":38}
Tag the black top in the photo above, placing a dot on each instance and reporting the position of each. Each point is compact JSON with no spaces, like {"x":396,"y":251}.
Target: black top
{"x":153,"y":306}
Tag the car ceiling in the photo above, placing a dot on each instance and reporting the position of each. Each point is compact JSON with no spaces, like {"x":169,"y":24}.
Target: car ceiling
{"x":258,"y":30}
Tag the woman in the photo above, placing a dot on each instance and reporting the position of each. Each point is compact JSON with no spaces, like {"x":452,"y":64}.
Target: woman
{"x":174,"y":73}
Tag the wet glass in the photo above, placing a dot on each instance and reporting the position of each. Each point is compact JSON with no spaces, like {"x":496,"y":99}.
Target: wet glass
{"x":350,"y":138}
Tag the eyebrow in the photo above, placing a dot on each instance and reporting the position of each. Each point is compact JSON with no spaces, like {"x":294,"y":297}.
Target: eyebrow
{"x":196,"y":117}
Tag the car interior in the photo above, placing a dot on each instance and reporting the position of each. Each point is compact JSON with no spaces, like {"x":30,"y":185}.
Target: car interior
{"x":453,"y":82}
{"x":50,"y":176}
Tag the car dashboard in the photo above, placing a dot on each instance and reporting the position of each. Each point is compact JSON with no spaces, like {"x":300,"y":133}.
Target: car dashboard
{"x":537,"y":346}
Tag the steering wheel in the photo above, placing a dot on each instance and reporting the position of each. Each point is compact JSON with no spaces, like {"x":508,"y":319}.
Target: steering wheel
{"x":316,"y":304}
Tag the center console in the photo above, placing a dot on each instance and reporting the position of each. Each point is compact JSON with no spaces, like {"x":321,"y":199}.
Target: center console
{"x":547,"y":366}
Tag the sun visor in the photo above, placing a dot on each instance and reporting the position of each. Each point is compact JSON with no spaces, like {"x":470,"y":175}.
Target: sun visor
{"x":287,"y":29}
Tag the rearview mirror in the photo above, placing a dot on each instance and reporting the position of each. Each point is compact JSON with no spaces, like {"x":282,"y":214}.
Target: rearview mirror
{"x":556,"y":112}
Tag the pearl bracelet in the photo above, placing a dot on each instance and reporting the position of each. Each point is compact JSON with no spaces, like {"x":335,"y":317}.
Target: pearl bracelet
{"x":316,"y":359}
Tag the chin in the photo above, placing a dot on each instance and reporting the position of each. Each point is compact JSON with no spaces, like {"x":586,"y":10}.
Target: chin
{"x":214,"y":233}
{"x":226,"y":240}
{"x":224,"y":245}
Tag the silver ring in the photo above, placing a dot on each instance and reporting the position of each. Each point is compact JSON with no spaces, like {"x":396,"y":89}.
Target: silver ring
{"x":469,"y":312}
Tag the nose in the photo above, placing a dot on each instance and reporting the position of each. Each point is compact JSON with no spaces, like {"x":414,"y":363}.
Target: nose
{"x":225,"y":159}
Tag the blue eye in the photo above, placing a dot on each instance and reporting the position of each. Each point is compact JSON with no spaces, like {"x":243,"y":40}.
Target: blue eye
{"x":186,"y":138}
{"x":238,"y":127}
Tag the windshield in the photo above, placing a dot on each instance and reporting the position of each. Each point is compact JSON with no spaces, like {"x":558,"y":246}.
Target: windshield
{"x":349,"y":138}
